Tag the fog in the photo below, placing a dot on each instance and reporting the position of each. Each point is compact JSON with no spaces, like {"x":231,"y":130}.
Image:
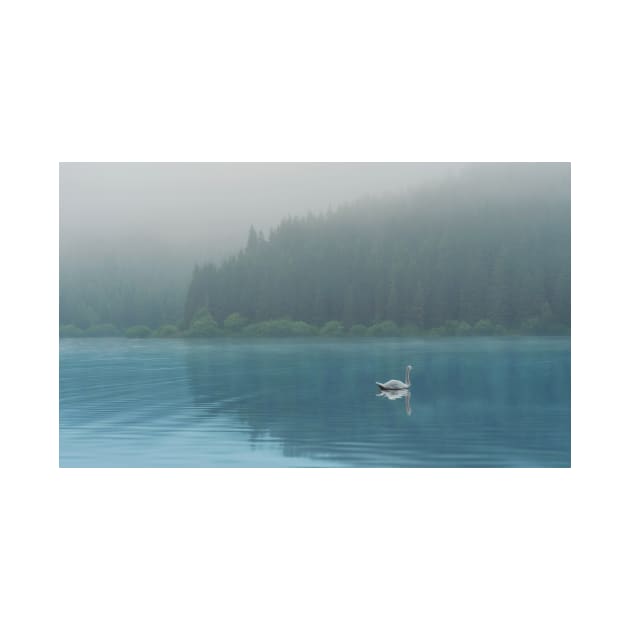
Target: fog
{"x":189,"y":212}
{"x":131,"y":233}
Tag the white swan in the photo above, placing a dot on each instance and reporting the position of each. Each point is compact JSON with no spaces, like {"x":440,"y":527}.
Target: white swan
{"x":394,"y":384}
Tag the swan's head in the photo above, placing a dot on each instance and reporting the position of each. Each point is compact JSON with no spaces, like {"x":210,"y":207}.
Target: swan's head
{"x":409,"y":367}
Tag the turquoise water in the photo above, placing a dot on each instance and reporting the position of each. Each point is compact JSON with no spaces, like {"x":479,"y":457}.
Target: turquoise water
{"x":313,"y":402}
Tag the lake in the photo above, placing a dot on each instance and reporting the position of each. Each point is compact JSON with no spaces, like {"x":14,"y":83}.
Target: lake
{"x":474,"y":402}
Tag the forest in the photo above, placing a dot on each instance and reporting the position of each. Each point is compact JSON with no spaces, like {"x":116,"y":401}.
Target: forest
{"x":480,"y":254}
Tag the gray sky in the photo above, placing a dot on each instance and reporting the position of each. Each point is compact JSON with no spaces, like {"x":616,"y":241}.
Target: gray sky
{"x":202,"y":211}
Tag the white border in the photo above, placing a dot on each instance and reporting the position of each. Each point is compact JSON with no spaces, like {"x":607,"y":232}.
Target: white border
{"x":449,"y":81}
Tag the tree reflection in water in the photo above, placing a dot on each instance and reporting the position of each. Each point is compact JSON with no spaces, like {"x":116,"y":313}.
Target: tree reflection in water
{"x":478,"y":402}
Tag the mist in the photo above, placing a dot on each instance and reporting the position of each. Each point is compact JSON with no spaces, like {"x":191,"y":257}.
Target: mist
{"x":196,"y":212}
{"x":132,"y":233}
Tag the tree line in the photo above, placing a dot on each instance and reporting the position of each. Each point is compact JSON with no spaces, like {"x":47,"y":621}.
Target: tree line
{"x":111,"y":296}
{"x":454,"y":258}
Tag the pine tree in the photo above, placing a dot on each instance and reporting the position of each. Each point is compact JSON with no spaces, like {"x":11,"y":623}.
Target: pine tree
{"x":392,"y":308}
{"x":417,"y":310}
{"x":252,"y":240}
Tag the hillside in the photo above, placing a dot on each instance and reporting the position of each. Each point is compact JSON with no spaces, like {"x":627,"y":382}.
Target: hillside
{"x":492,"y":244}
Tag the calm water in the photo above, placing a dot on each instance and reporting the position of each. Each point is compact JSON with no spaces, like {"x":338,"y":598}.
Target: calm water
{"x":474,"y":402}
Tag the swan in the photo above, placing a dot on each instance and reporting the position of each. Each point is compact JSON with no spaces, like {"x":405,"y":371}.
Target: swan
{"x":394,"y":384}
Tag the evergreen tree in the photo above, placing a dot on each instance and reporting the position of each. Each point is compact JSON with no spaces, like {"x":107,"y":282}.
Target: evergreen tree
{"x":481,"y":251}
{"x":425,"y":260}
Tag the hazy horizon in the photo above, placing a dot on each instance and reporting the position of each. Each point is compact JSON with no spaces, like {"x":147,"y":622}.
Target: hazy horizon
{"x":132,"y":233}
{"x":197,"y":212}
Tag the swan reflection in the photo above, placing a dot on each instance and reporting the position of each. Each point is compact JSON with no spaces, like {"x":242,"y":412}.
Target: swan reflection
{"x":395,"y":395}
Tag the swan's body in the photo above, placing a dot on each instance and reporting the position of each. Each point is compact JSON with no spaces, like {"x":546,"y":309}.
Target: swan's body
{"x":394,"y":384}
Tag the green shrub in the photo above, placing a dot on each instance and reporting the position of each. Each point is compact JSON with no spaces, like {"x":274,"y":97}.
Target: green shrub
{"x":384,"y":329}
{"x":234,"y":323}
{"x":102,"y":330}
{"x":203,"y":325}
{"x":332,"y":329}
{"x":280,"y":328}
{"x":302,"y":329}
{"x":451,"y":326}
{"x":484,"y":327}
{"x":254,"y":330}
{"x":70,"y":330}
{"x":138,"y":332}
{"x":168,"y":330}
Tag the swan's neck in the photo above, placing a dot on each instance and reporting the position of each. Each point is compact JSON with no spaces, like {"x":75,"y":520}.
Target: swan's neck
{"x":407,"y":381}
